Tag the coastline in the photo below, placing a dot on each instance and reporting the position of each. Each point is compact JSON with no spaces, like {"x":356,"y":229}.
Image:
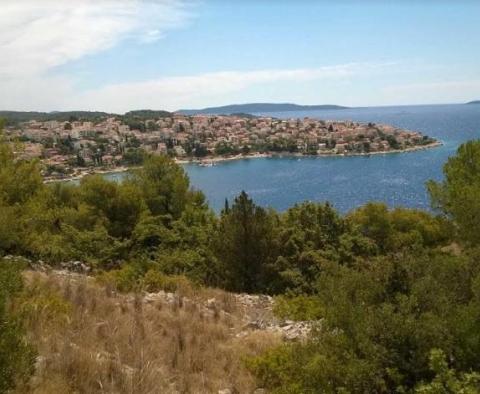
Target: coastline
{"x":84,"y":173}
{"x":219,"y":159}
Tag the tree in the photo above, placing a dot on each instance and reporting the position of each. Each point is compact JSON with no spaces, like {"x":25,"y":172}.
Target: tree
{"x":392,"y":141}
{"x":447,"y":380}
{"x":164,"y":186}
{"x":200,"y":150}
{"x":380,"y":321}
{"x":245,"y":150}
{"x":458,"y":195}
{"x":373,"y":221}
{"x":244,"y":243}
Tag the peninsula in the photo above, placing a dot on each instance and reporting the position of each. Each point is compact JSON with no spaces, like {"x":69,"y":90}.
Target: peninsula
{"x":75,"y":147}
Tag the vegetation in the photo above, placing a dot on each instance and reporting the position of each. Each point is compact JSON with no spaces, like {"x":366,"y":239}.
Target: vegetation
{"x":14,"y":117}
{"x":393,"y":295}
{"x":16,"y":355}
{"x":94,"y":340}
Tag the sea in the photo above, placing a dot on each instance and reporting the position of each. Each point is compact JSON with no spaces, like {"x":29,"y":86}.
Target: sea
{"x":397,"y":179}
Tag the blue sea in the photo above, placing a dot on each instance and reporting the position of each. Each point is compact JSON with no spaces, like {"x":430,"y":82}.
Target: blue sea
{"x":347,"y":182}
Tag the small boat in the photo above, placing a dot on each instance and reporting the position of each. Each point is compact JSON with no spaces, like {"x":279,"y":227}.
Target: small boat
{"x":207,"y":163}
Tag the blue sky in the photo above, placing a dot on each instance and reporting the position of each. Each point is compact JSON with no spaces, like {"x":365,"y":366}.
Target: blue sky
{"x":171,"y":54}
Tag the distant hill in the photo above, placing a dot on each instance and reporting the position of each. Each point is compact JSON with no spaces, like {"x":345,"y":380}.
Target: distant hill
{"x":474,"y":102}
{"x":256,"y":108}
{"x":146,"y":114}
{"x":23,"y":116}
{"x":13,"y":117}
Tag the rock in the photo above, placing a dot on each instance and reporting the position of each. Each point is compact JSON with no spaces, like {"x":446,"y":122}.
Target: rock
{"x":76,"y":266}
{"x":211,"y":303}
{"x":170,"y":298}
{"x":252,"y":325}
{"x":150,"y":298}
{"x":128,"y":371}
{"x":40,"y":363}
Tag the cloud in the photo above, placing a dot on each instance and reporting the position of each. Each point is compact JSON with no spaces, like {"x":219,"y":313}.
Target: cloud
{"x":433,"y":92}
{"x":36,"y":36}
{"x":173,"y":93}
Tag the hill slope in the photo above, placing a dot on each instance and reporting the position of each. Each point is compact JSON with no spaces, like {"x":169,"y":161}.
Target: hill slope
{"x":190,"y":341}
{"x":25,"y":116}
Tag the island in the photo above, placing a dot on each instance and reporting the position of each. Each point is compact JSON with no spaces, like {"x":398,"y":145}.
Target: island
{"x":106,"y":143}
{"x":256,"y":108}
{"x":474,"y":102}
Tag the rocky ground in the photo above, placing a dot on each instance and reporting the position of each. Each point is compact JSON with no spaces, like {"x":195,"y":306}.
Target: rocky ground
{"x":181,"y":341}
{"x":255,"y":311}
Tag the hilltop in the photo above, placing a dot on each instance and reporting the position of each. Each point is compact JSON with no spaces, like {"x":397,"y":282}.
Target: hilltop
{"x":256,"y":108}
{"x":26,"y":116}
{"x":65,"y":116}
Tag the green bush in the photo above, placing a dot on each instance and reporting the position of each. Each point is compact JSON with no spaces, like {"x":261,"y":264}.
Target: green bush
{"x":126,"y":279}
{"x":41,"y":303}
{"x":17,"y":357}
{"x":154,"y":281}
{"x":298,"y":307}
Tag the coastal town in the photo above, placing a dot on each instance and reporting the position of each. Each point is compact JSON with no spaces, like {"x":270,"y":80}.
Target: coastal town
{"x":76,"y":146}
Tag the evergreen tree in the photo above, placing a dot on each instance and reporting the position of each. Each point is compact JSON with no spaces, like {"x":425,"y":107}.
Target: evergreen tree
{"x":244,"y":244}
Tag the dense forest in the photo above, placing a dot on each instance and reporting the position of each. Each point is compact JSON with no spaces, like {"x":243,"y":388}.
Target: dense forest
{"x":394,"y":293}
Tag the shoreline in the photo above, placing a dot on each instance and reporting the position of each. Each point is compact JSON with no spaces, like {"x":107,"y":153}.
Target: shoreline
{"x":219,"y":159}
{"x":86,"y":172}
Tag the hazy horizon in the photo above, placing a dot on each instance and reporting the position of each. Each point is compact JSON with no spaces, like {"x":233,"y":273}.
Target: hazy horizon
{"x":231,"y":104}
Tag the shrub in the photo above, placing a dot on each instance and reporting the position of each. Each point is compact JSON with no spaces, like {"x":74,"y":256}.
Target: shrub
{"x":154,"y":281}
{"x":42,"y":304}
{"x":17,"y":357}
{"x":124,"y":279}
{"x":298,"y":308}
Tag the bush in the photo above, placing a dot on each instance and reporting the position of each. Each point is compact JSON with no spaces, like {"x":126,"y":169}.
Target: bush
{"x":298,"y":308}
{"x":40,"y":303}
{"x":124,"y":280}
{"x":17,"y":357}
{"x":154,"y":281}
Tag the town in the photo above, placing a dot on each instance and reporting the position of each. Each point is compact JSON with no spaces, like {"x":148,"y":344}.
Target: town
{"x":77,"y":146}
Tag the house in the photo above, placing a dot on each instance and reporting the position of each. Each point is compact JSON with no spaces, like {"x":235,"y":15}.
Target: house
{"x":179,"y":151}
{"x":341,"y":148}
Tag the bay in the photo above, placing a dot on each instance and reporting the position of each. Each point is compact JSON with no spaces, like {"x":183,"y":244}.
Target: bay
{"x":347,"y":182}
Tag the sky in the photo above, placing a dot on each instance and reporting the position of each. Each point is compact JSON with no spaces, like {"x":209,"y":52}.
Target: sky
{"x":121,"y":55}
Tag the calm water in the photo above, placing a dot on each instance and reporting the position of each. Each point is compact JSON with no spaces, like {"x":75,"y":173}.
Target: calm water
{"x":347,"y":182}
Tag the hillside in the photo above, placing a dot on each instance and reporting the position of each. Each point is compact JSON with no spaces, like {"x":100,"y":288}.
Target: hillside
{"x":257,"y":108}
{"x":187,"y":341}
{"x":25,"y":116}
{"x":474,"y":102}
{"x":145,"y":114}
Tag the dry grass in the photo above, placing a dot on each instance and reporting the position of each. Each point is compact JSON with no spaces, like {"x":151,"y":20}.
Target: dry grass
{"x":92,"y":340}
